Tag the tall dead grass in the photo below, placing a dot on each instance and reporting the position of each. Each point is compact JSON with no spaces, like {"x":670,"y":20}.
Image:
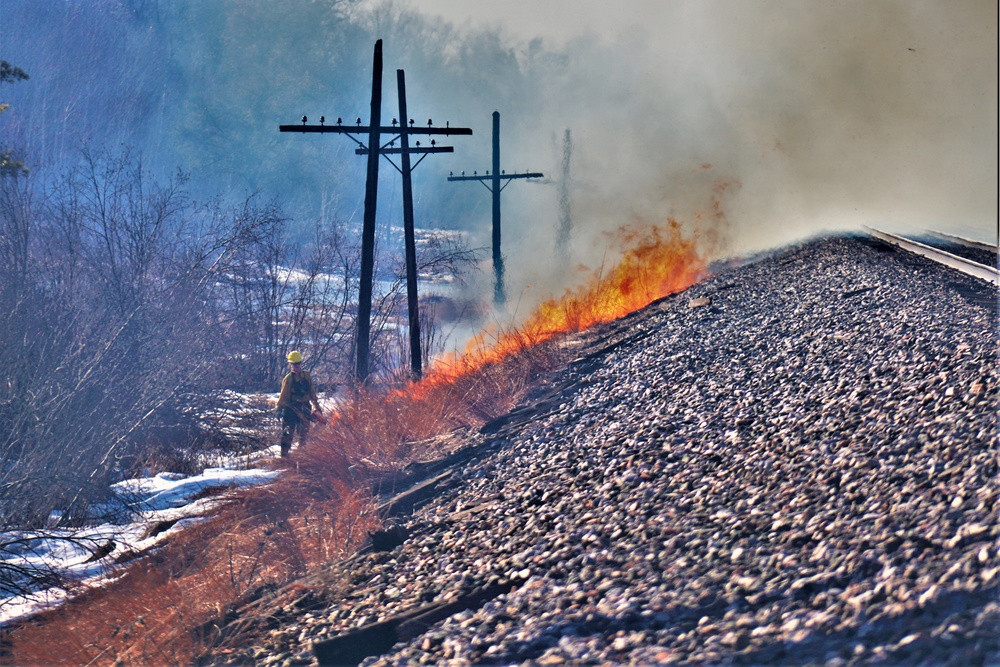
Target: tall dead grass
{"x":168,"y":607}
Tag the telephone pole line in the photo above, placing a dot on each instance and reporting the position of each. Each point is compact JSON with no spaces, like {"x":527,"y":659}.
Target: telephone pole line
{"x":499,"y":289}
{"x":373,"y":149}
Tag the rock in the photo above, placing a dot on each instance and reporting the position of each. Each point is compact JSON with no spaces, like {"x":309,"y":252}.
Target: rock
{"x":699,"y":302}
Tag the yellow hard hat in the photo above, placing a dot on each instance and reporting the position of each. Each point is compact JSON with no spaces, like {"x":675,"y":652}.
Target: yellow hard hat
{"x":295,"y":357}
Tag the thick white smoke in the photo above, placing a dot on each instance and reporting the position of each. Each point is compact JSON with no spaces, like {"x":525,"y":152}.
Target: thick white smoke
{"x":795,"y":117}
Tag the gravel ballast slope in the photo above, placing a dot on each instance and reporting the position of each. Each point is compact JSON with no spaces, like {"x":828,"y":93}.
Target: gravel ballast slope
{"x":802,"y":471}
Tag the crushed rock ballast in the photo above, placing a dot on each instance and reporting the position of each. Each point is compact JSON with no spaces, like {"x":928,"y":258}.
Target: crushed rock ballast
{"x":793,"y":462}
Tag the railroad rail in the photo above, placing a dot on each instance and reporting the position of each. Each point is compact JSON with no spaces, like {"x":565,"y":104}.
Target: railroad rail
{"x":979,"y":252}
{"x":967,"y":266}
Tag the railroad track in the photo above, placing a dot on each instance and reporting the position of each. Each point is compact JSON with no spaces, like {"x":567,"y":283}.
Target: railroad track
{"x":982,"y":253}
{"x":961,"y":254}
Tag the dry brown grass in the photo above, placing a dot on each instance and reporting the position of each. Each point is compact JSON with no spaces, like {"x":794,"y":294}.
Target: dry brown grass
{"x":165,"y":609}
{"x":161,"y":611}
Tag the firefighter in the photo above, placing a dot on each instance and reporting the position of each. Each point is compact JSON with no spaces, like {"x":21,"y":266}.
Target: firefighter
{"x":298,"y":395}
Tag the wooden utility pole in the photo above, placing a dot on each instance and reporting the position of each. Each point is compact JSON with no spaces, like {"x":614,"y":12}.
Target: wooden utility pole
{"x":405,"y":168}
{"x":364,"y":324}
{"x":416,"y":364}
{"x":494,"y":186}
{"x":373,"y":150}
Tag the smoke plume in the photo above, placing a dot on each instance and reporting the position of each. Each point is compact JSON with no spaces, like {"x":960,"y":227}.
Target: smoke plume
{"x":752,"y":123}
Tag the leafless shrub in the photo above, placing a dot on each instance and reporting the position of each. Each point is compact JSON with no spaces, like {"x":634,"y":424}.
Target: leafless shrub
{"x":109,"y":299}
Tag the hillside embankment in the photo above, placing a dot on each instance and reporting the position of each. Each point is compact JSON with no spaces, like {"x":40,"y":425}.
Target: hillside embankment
{"x":793,"y":462}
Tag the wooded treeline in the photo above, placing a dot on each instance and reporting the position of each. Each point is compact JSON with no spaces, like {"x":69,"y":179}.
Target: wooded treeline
{"x":127,"y":308}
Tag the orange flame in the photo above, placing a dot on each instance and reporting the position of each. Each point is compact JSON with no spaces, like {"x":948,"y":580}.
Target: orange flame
{"x":658,"y":261}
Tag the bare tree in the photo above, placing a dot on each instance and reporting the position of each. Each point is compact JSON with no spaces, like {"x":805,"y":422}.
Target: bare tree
{"x":111,"y":316}
{"x":322,"y":314}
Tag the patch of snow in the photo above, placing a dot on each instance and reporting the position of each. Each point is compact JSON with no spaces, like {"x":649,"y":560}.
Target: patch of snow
{"x":166,"y":499}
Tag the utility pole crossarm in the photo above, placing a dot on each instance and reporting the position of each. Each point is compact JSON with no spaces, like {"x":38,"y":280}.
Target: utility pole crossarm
{"x":365,"y":129}
{"x":503,"y":177}
{"x":409,"y":151}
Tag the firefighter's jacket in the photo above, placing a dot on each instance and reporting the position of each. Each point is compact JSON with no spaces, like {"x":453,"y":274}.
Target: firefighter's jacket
{"x":297,"y":392}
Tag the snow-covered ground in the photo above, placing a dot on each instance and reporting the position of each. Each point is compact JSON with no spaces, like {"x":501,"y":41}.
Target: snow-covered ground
{"x":83,"y":557}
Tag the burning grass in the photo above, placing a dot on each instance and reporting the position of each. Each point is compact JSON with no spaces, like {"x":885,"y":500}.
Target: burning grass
{"x":657,"y":261}
{"x":169,"y":607}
